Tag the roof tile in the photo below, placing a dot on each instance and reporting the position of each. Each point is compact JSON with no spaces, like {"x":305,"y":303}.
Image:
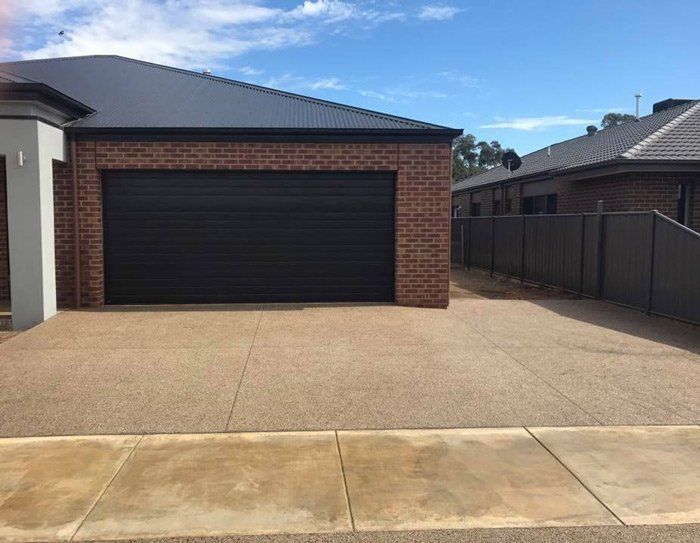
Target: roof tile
{"x":670,"y":134}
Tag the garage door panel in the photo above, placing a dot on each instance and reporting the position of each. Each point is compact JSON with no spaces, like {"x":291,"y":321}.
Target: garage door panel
{"x":291,"y":271}
{"x":217,"y":296}
{"x":155,"y":261}
{"x":201,"y":237}
{"x":221,"y":203}
{"x":276,"y":235}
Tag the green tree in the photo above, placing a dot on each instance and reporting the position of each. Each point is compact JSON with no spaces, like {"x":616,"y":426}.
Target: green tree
{"x":464,"y":156}
{"x":614,"y":119}
{"x":490,"y":154}
{"x":470,"y":156}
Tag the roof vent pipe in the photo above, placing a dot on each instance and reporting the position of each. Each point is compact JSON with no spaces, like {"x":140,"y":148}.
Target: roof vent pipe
{"x":206,"y":72}
{"x":591,"y":129}
{"x":549,"y":150}
{"x":636,"y":109}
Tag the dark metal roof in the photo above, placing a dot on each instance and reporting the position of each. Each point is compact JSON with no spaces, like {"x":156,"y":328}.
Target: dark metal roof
{"x":132,"y":94}
{"x":7,"y":77}
{"x":670,"y":134}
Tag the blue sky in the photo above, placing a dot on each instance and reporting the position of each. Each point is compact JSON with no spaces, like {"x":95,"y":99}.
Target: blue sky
{"x":527,"y":73}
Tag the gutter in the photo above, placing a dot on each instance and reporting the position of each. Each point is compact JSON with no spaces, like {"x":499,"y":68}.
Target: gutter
{"x":40,"y":92}
{"x":416,"y":135}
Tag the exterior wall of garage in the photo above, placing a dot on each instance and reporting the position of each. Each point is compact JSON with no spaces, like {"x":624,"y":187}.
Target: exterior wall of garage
{"x":4,"y":249}
{"x":422,"y":201}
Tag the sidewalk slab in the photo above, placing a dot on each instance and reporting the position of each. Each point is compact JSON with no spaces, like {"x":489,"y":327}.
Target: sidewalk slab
{"x":646,"y":475}
{"x":48,"y":485}
{"x":217,"y":484}
{"x":455,"y":479}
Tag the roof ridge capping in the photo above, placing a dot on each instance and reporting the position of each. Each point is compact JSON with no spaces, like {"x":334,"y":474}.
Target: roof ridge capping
{"x":636,"y":149}
{"x":301,"y":97}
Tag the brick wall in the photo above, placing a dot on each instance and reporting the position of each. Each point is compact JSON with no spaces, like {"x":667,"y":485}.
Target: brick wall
{"x":423,"y":225}
{"x":422,"y":199}
{"x":625,"y":192}
{"x":4,"y":250}
{"x":622,"y":192}
{"x":487,"y":202}
{"x":629,"y":192}
{"x":63,"y":233}
{"x":514,"y":192}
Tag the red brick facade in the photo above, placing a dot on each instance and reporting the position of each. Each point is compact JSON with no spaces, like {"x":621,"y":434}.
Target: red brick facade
{"x":626,"y":192}
{"x":63,"y":233}
{"x":422,"y":201}
{"x":621,"y":192}
{"x":4,"y":251}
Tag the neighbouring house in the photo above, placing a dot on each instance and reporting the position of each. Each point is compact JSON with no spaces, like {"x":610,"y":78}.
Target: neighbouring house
{"x":126,"y":182}
{"x":650,"y":163}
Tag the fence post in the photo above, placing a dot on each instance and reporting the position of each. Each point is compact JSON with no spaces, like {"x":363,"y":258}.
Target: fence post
{"x":583,"y":252}
{"x":522,"y":250}
{"x":651,"y":261}
{"x":461,"y":239}
{"x":493,"y":242}
{"x":601,"y":248}
{"x":469,"y":244}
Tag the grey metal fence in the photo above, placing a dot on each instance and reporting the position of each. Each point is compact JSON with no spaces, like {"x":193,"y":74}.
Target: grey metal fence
{"x":640,"y":260}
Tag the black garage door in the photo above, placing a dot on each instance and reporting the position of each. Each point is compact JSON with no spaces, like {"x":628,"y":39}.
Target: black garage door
{"x":196,"y":237}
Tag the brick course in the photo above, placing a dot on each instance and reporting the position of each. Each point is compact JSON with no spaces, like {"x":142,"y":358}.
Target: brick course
{"x":624,"y":192}
{"x":63,"y":233}
{"x":422,"y":200}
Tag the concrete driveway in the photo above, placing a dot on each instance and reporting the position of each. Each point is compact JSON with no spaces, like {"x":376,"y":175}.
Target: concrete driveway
{"x":538,"y":361}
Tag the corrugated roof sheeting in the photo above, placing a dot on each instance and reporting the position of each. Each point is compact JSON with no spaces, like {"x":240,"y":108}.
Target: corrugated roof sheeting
{"x":7,"y":77}
{"x":132,"y":94}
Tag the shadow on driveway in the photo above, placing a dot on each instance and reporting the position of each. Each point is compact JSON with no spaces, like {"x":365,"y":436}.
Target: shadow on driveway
{"x":477,"y":284}
{"x":629,"y":321}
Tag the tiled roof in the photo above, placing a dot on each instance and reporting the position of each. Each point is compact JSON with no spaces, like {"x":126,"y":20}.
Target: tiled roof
{"x":129,"y":93}
{"x":678,"y":140}
{"x":670,"y":134}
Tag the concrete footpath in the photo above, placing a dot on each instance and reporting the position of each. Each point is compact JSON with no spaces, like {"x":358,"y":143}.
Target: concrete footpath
{"x":350,"y":483}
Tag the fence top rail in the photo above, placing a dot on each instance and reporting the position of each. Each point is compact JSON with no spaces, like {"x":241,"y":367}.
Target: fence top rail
{"x":676,"y":224}
{"x":593,"y":214}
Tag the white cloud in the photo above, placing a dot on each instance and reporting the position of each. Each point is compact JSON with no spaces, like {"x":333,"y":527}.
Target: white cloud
{"x":333,"y":10}
{"x":329,"y":83}
{"x":293,"y":82}
{"x":437,"y":12}
{"x":250,"y":71}
{"x":530,"y":124}
{"x":376,"y":95}
{"x":401,"y":95}
{"x":187,"y":33}
{"x":218,"y":13}
{"x":462,"y":79}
